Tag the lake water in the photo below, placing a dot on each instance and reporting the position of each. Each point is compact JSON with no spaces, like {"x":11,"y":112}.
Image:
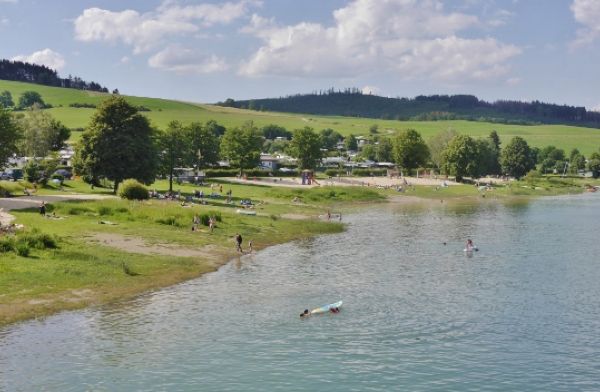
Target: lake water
{"x":521,"y":314}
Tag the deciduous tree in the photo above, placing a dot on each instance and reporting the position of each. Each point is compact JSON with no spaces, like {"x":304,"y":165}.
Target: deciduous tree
{"x":516,"y":158}
{"x":410,"y":151}
{"x":242,"y":146}
{"x":118,"y":144}
{"x":10,"y":135}
{"x":306,"y":147}
{"x":461,"y":158}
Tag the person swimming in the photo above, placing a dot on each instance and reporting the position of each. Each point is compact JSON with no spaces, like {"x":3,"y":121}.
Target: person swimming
{"x":334,"y":310}
{"x":306,"y":313}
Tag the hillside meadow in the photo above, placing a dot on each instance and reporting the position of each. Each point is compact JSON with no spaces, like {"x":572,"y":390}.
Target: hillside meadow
{"x":162,"y":111}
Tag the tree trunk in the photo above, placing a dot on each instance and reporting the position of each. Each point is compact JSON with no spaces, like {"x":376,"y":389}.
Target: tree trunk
{"x":115,"y":186}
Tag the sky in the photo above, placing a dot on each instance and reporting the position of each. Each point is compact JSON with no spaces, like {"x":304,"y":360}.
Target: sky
{"x":208,"y":51}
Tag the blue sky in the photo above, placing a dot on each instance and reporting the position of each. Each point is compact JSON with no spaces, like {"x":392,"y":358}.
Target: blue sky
{"x":206,"y":51}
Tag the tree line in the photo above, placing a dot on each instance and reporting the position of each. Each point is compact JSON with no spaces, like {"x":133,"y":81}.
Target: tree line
{"x":20,"y":71}
{"x":353,"y":103}
{"x":120,"y":143}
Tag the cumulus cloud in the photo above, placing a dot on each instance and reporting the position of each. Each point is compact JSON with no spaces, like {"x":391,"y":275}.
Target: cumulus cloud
{"x":370,"y":90}
{"x":410,"y":38}
{"x":46,"y":57}
{"x":182,"y":60}
{"x":587,"y":13}
{"x":144,"y":31}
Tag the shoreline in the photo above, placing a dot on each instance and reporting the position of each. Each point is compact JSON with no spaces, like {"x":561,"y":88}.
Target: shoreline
{"x":27,"y":308}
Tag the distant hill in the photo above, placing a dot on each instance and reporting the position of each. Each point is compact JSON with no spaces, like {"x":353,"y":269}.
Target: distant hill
{"x":74,"y":108}
{"x":19,"y":71}
{"x":353,"y":103}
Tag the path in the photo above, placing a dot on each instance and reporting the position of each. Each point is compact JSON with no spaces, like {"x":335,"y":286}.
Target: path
{"x":17,"y":203}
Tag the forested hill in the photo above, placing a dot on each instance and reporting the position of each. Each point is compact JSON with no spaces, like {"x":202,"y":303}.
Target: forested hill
{"x":19,"y":71}
{"x":353,"y":103}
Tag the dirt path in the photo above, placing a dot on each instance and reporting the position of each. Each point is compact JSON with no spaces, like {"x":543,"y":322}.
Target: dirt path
{"x":138,"y":245}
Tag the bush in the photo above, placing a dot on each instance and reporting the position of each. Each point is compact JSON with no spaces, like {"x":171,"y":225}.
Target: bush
{"x":7,"y":244}
{"x":104,"y":211}
{"x":22,"y":249}
{"x":335,"y":172}
{"x":205,"y":217}
{"x":169,"y":221}
{"x":249,"y":173}
{"x":82,"y":105}
{"x":132,"y":190}
{"x":37,"y":240}
{"x":9,"y":188}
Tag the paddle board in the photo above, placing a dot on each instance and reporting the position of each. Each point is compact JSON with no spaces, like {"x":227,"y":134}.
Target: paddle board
{"x":326,"y":308}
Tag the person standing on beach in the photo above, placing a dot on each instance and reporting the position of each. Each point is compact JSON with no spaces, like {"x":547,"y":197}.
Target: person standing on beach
{"x":43,"y":208}
{"x":250,"y":246}
{"x":238,"y":240}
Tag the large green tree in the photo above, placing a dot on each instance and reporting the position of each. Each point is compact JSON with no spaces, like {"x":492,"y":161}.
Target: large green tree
{"x":410,"y":151}
{"x":10,"y":135}
{"x":273,"y":131}
{"x":350,"y":143}
{"x":461,"y":158}
{"x":493,"y":158}
{"x":242,"y":146}
{"x":438,"y":143}
{"x":204,"y":144}
{"x":42,"y":133}
{"x":516,"y":158}
{"x":118,"y":144}
{"x":173,"y":148}
{"x":306,"y":147}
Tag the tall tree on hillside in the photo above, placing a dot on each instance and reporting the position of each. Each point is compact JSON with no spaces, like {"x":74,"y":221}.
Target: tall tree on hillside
{"x":516,"y":158}
{"x":242,"y":146}
{"x":461,"y":158}
{"x":594,"y":164}
{"x":6,"y":100}
{"x":173,"y":145}
{"x":410,"y":151}
{"x":306,"y":147}
{"x":438,"y":143}
{"x":10,"y":135}
{"x":30,"y":98}
{"x":204,"y":144}
{"x":118,"y":144}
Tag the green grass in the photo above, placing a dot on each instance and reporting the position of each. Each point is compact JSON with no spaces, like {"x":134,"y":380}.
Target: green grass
{"x":163,"y":111}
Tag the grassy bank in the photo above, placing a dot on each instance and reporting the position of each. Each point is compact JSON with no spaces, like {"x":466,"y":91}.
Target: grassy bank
{"x":92,"y":260}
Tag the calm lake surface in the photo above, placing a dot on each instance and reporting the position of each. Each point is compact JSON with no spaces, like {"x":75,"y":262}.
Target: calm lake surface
{"x":522,"y":314}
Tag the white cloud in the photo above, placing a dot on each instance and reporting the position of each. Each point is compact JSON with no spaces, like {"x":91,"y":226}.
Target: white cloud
{"x":587,"y":13}
{"x":46,"y":57}
{"x":596,"y":108}
{"x":409,"y":38}
{"x":145,"y":31}
{"x":182,"y":60}
{"x":4,"y":22}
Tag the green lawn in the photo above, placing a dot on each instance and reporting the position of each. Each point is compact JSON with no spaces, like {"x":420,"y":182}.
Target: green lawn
{"x":163,"y":111}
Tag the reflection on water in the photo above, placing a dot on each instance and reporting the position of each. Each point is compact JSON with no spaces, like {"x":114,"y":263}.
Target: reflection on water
{"x":520,"y":314}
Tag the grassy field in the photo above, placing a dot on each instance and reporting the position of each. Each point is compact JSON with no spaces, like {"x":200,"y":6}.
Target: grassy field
{"x":163,"y":111}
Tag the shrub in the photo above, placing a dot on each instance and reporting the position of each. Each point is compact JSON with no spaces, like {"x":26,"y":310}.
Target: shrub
{"x":104,"y":211}
{"x":7,"y":245}
{"x":132,"y":190}
{"x":369,"y":172}
{"x":8,"y":188}
{"x":37,"y":240}
{"x":169,"y":221}
{"x":335,"y":172}
{"x":78,"y":210}
{"x":22,"y":249}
